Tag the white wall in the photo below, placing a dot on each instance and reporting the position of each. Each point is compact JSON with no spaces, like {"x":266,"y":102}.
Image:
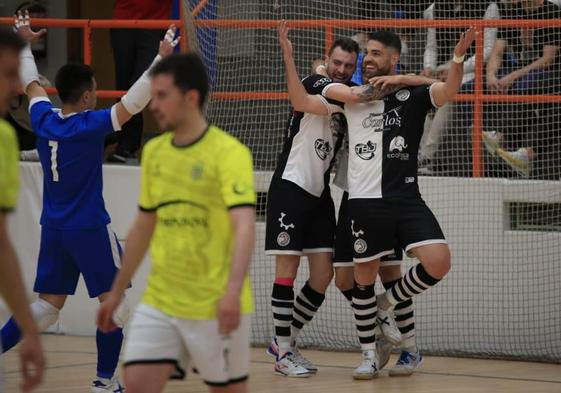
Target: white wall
{"x":502,"y":297}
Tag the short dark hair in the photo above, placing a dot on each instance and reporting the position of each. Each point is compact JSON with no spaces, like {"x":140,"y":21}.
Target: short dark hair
{"x":72,"y":80}
{"x":188,"y":72}
{"x":345,"y":43}
{"x":386,"y":37}
{"x":10,"y":40}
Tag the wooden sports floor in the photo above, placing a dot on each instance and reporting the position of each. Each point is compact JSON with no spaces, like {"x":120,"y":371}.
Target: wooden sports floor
{"x":72,"y":362}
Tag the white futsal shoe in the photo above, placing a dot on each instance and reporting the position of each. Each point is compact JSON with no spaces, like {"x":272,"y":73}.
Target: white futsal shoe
{"x":519,"y":160}
{"x":103,"y":385}
{"x":492,"y":141}
{"x":388,"y":327}
{"x":288,"y":367}
{"x":368,"y":369}
{"x":407,"y":364}
{"x":273,"y":350}
{"x":384,"y":351}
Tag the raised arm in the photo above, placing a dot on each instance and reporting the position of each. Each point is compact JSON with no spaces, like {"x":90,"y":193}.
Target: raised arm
{"x":299,"y":97}
{"x":442,"y":92}
{"x":138,"y":96}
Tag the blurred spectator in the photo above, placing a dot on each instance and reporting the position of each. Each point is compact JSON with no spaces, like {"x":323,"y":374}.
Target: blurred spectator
{"x":526,"y":61}
{"x":437,"y":57}
{"x":134,"y":50}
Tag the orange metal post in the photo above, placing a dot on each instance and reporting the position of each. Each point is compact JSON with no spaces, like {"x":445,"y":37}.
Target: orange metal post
{"x":197,"y":10}
{"x":478,"y":106}
{"x":87,"y":31}
{"x":328,"y":38}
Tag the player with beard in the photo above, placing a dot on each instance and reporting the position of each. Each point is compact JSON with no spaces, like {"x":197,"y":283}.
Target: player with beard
{"x":384,"y":198}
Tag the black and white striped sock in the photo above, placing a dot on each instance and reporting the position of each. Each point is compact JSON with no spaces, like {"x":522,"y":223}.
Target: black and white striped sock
{"x":364,"y":308}
{"x":283,"y":306}
{"x":405,"y":321}
{"x":414,"y":282}
{"x":306,"y":305}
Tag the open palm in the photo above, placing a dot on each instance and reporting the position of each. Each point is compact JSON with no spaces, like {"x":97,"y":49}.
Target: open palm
{"x":465,"y":41}
{"x":22,"y":24}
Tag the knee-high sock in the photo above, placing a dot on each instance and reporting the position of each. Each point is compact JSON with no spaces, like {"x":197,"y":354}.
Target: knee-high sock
{"x":405,"y":320}
{"x":364,"y":308}
{"x":306,"y":305}
{"x":283,"y":306}
{"x":108,"y":350}
{"x":348,"y":293}
{"x":414,"y":282}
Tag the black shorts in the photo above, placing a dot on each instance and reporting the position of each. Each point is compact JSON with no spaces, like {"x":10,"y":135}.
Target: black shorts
{"x":377,"y":223}
{"x":298,"y":223}
{"x":344,"y":254}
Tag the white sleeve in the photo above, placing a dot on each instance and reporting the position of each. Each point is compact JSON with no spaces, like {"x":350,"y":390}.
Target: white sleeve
{"x":115,"y":119}
{"x":138,"y":95}
{"x":27,"y":69}
{"x":430,"y":55}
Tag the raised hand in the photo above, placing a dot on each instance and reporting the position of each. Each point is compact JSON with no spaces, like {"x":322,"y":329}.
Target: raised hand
{"x":168,"y":43}
{"x":22,"y":26}
{"x":465,"y":41}
{"x":284,"y":42}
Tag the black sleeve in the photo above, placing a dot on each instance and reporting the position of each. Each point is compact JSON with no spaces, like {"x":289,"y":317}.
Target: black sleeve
{"x":420,"y":100}
{"x":314,"y":84}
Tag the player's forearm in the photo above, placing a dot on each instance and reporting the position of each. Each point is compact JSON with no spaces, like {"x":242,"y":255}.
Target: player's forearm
{"x":416,"y":80}
{"x":296,"y":91}
{"x":12,"y":288}
{"x":29,"y":75}
{"x":138,"y":241}
{"x":445,"y":92}
{"x":244,"y":240}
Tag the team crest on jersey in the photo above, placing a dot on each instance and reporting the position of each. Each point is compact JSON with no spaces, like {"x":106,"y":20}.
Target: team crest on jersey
{"x":365,"y":151}
{"x":360,"y":246}
{"x":197,"y":171}
{"x":323,"y":148}
{"x":403,"y":95}
{"x":397,"y":146}
{"x":283,"y":239}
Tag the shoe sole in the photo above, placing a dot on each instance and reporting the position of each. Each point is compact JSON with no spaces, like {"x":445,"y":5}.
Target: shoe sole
{"x":293,"y":375}
{"x":404,"y":373}
{"x":364,"y":377}
{"x":521,"y":167}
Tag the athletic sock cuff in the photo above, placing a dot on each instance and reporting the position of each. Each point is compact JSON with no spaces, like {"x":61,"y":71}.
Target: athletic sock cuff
{"x":390,"y":284}
{"x":364,"y":291}
{"x":425,"y":277}
{"x":283,"y":292}
{"x":312,"y":295}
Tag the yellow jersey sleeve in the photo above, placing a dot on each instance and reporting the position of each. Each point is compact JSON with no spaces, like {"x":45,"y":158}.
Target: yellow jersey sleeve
{"x":9,"y":171}
{"x":146,"y":202}
{"x":236,"y":177}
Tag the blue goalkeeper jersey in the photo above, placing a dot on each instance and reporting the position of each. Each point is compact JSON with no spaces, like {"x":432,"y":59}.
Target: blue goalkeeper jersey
{"x":71,"y":152}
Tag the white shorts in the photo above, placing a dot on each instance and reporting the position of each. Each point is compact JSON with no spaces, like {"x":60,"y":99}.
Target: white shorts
{"x":154,"y":337}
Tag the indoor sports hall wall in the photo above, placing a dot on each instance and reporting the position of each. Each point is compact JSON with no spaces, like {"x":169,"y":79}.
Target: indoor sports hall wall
{"x":502,"y":297}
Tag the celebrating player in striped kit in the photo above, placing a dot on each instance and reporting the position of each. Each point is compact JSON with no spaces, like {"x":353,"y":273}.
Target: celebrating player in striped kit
{"x":384,"y":199}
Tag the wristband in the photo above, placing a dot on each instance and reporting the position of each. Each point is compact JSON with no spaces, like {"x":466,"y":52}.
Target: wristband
{"x":458,"y":59}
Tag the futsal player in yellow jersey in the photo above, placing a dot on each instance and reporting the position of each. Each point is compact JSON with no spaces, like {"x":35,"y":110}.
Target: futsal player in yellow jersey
{"x":11,"y":284}
{"x":197,"y":207}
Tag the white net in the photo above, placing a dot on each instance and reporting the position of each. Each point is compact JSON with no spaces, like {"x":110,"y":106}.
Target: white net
{"x":491,"y":161}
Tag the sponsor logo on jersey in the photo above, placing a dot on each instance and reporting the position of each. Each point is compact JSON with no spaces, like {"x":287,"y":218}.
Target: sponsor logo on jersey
{"x":286,"y":227}
{"x":379,"y":122}
{"x":365,"y":151}
{"x":197,"y":171}
{"x":403,"y":95}
{"x":410,"y":179}
{"x":360,"y":246}
{"x":323,"y":148}
{"x":183,"y":222}
{"x":355,"y":233}
{"x":322,"y":81}
{"x":397,"y":146}
{"x":283,"y":239}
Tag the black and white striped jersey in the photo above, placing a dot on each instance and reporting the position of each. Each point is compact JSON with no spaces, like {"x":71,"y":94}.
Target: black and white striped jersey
{"x":311,"y":142}
{"x":384,"y":139}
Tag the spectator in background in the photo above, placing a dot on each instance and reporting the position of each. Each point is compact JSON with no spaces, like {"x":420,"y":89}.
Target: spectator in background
{"x":439,"y":45}
{"x":134,"y":50}
{"x":526,"y":61}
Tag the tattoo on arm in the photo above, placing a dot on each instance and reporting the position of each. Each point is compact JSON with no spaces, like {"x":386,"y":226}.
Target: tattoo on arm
{"x":369,"y":92}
